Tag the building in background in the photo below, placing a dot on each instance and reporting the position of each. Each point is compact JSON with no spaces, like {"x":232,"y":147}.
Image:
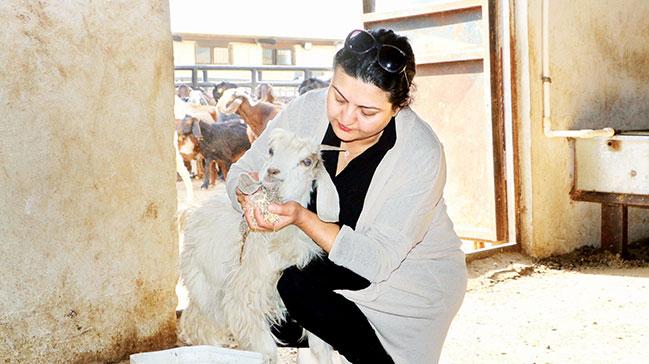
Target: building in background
{"x":260,"y":34}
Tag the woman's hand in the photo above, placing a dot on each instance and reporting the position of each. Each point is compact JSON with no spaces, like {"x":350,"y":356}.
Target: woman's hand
{"x":289,"y":213}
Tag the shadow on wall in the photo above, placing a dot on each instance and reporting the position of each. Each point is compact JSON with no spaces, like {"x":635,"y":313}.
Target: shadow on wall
{"x":611,"y":108}
{"x":625,"y":104}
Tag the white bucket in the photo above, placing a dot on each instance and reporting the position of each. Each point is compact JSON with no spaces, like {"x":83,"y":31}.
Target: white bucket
{"x":201,"y":354}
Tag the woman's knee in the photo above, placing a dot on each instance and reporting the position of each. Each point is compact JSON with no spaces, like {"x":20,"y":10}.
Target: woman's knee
{"x":290,"y":286}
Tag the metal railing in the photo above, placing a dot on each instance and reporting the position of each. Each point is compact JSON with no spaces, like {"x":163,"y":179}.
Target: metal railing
{"x":200,"y":75}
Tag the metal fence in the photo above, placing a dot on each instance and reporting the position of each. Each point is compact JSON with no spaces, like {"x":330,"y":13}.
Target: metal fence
{"x":280,"y":77}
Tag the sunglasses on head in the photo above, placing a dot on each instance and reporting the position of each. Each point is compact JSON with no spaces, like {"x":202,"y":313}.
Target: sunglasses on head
{"x":389,"y":57}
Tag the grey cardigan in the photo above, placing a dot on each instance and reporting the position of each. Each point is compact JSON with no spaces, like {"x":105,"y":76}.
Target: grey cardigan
{"x":404,"y":242}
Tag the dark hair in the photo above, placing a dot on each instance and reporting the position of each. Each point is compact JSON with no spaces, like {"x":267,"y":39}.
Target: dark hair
{"x":365,"y":67}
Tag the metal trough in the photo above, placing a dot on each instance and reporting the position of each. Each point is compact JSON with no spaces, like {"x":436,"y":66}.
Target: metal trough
{"x":615,"y":173}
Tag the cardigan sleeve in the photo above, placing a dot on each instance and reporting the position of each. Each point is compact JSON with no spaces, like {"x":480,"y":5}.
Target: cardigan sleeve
{"x":254,"y":158}
{"x":375,"y":249}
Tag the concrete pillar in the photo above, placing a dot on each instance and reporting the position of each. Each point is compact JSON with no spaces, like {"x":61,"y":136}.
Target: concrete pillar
{"x":88,"y":243}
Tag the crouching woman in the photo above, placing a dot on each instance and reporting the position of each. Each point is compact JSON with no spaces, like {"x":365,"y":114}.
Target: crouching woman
{"x":394,"y":275}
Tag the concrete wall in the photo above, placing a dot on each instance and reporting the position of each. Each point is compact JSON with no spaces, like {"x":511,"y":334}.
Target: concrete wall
{"x":88,"y":240}
{"x":599,"y":64}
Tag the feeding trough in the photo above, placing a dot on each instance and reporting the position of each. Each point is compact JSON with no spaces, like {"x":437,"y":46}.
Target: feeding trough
{"x":615,"y":173}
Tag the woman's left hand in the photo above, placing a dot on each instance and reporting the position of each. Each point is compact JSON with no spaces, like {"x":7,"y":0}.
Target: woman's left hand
{"x":289,"y":213}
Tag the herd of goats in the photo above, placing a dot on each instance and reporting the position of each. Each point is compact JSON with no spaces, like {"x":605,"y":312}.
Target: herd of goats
{"x":213,"y":131}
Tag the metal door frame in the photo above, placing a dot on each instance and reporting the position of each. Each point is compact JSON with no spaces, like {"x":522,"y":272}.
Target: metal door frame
{"x":499,"y":62}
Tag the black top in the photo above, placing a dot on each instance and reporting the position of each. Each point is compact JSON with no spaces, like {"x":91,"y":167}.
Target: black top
{"x":352,"y":183}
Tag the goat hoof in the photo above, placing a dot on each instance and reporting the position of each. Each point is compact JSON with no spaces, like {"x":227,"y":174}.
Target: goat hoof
{"x":205,"y":186}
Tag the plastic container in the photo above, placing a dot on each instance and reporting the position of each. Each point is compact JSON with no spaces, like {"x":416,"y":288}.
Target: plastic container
{"x":202,"y":354}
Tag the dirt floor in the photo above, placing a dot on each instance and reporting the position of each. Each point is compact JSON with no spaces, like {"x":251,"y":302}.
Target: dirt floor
{"x":583,"y":307}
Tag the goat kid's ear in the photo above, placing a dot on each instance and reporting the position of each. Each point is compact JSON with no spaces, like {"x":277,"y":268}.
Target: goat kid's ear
{"x":327,"y":197}
{"x":196,"y":128}
{"x":233,"y":106}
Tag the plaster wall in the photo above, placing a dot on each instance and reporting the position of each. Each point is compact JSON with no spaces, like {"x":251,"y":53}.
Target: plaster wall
{"x":599,"y":62}
{"x":87,"y":232}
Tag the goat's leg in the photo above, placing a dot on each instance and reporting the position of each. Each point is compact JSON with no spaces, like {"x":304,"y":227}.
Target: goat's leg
{"x":224,"y":166}
{"x":200,"y":166}
{"x":188,"y":165}
{"x":206,"y":178}
{"x":250,"y":329}
{"x":214,"y":174}
{"x":259,"y":339}
{"x":196,"y":328}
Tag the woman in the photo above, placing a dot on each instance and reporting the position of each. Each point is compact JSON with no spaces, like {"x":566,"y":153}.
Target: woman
{"x":394,"y":275}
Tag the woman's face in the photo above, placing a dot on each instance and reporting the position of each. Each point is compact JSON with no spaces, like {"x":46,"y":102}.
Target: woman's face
{"x":356,"y":110}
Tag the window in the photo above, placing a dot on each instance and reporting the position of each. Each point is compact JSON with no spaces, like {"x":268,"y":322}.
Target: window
{"x":212,"y":54}
{"x":268,"y":56}
{"x":203,"y":55}
{"x":221,"y":55}
{"x":284,"y":57}
{"x":281,"y":57}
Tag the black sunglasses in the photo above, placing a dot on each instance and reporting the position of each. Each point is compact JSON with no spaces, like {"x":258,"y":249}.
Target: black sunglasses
{"x":389,"y":57}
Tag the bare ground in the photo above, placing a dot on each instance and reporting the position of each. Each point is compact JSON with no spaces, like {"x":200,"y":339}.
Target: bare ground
{"x":583,"y":307}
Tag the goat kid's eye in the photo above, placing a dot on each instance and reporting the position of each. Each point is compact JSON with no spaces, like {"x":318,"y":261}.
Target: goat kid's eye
{"x":307,"y":162}
{"x":270,"y":151}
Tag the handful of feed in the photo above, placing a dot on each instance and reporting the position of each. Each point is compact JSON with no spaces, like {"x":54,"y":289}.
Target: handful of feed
{"x":262,"y":198}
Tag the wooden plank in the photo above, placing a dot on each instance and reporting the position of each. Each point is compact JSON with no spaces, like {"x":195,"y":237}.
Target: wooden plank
{"x":420,"y":10}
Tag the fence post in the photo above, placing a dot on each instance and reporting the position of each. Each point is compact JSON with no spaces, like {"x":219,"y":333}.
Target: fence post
{"x":253,"y":81}
{"x":194,"y":78}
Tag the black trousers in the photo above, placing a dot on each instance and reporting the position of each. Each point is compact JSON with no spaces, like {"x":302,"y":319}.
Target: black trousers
{"x":312,"y":304}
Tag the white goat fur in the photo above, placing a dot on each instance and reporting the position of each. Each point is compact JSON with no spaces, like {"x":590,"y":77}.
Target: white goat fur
{"x":240,"y":298}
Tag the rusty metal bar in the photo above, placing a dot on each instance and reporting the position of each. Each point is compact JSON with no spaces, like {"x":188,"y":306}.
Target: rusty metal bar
{"x":614,"y":228}
{"x":494,"y":30}
{"x":611,"y":198}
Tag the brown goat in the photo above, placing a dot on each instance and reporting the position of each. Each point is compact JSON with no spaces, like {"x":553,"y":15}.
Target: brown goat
{"x":255,"y":115}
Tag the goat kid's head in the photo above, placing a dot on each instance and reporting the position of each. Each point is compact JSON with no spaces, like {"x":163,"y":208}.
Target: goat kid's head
{"x":189,"y":136}
{"x":293,"y":165}
{"x":231,"y":100}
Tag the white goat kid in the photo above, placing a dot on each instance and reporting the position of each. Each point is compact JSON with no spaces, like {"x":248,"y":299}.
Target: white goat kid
{"x":231,"y":278}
